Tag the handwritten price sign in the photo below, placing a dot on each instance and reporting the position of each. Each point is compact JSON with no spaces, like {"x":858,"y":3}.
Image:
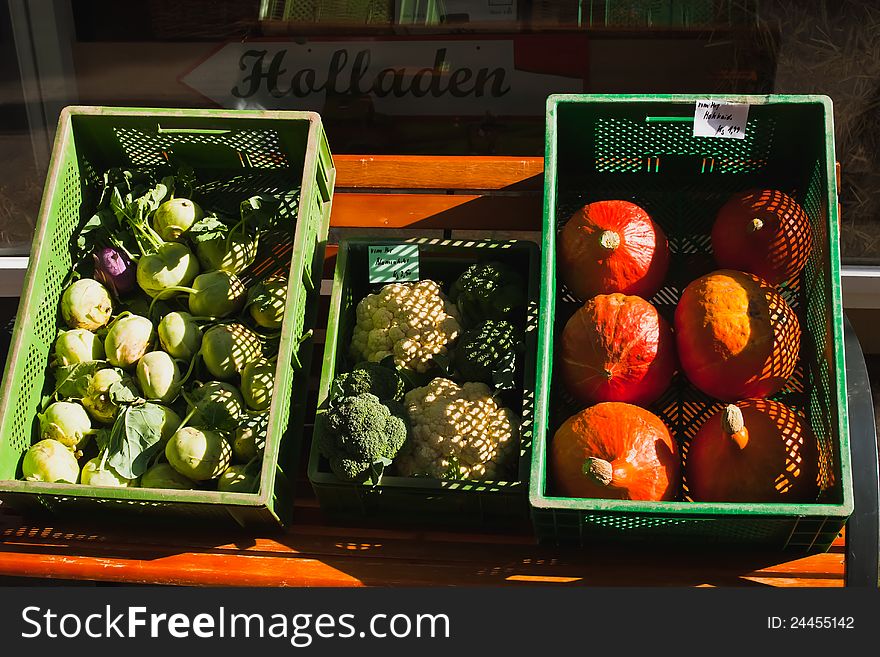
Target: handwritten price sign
{"x":717,"y":119}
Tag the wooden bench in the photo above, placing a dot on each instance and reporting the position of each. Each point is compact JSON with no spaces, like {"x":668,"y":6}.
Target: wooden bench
{"x":442,"y":197}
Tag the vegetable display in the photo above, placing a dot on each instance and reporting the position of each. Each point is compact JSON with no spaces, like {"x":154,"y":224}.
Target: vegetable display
{"x":733,"y":336}
{"x":431,"y":383}
{"x":160,"y":376}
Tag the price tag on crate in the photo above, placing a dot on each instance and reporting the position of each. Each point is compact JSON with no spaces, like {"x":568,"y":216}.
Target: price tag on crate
{"x":394,"y":263}
{"x":713,"y":118}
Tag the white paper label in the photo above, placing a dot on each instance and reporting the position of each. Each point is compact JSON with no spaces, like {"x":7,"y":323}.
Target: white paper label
{"x":717,"y":119}
{"x":393,"y":263}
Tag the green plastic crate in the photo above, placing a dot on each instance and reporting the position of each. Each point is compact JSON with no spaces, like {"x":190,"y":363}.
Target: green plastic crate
{"x":422,"y":500}
{"x":235,"y":154}
{"x":641,"y":148}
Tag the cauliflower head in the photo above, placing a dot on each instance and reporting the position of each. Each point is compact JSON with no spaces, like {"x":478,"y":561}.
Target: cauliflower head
{"x":413,"y":322}
{"x":458,"y":432}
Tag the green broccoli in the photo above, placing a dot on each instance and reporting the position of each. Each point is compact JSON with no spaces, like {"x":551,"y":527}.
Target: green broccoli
{"x":488,"y":290}
{"x":488,"y":353}
{"x":374,"y":378}
{"x":362,"y":435}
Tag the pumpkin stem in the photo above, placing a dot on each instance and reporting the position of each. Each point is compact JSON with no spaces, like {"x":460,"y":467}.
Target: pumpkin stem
{"x":599,"y":470}
{"x":756,"y":225}
{"x":609,"y":240}
{"x":733,"y":424}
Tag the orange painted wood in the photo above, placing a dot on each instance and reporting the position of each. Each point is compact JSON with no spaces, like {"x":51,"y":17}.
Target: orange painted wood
{"x":322,"y":555}
{"x":438,"y":172}
{"x":432,"y":211}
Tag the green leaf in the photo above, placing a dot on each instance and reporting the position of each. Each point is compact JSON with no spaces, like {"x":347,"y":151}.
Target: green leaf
{"x":208,"y":228}
{"x":134,"y":439}
{"x":258,"y":293}
{"x":122,"y":393}
{"x":72,"y":381}
{"x":260,"y":212}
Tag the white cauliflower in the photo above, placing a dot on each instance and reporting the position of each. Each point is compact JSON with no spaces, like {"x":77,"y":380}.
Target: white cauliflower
{"x":413,"y":322}
{"x":458,"y":432}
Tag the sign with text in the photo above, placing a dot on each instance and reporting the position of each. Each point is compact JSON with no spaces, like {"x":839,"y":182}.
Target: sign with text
{"x":718,"y":119}
{"x":430,"y":77}
{"x":393,"y":263}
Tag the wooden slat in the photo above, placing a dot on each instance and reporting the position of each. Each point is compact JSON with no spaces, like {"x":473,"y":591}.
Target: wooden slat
{"x":322,"y":555}
{"x":438,"y":172}
{"x":447,"y":211}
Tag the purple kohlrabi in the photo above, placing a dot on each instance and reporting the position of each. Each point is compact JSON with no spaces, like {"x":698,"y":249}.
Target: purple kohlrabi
{"x":115,"y":269}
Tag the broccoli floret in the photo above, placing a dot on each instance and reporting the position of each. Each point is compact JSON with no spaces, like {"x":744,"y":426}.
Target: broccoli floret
{"x":489,"y":354}
{"x":374,"y":378}
{"x":488,"y":290}
{"x":362,"y":435}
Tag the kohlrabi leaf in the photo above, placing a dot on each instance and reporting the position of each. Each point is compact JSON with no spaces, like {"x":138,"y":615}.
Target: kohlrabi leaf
{"x":72,"y":381}
{"x":135,"y":438}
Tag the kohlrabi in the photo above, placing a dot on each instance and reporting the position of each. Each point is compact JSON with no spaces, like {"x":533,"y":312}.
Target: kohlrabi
{"x":169,"y":424}
{"x":239,"y":479}
{"x":171,"y":265}
{"x":266,"y":301}
{"x":161,"y":264}
{"x":198,"y":454}
{"x":216,"y":294}
{"x":232,"y":246}
{"x":106,"y":390}
{"x":86,"y":304}
{"x":180,"y":335}
{"x":213,"y":294}
{"x":227,"y":348}
{"x":174,"y":217}
{"x":215,"y":405}
{"x":50,"y":460}
{"x":250,"y":437}
{"x":128,"y":339}
{"x":77,"y":346}
{"x":68,"y":423}
{"x":97,"y":472}
{"x":162,"y":475}
{"x":158,"y":376}
{"x":257,"y":383}
{"x":115,"y":269}
{"x":232,"y":252}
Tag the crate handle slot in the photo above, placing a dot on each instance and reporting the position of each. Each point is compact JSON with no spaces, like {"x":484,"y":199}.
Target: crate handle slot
{"x":669,"y":119}
{"x":192,"y":131}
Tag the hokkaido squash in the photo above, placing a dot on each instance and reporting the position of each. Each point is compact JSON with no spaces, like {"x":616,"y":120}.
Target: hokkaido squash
{"x":736,"y":336}
{"x":764,"y":232}
{"x":616,"y":348}
{"x":614,"y":451}
{"x":612,"y":246}
{"x":757,"y":450}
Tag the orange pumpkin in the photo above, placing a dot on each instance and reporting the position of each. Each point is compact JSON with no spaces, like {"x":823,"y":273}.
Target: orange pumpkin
{"x":615,"y":451}
{"x":764,"y":232}
{"x":612,"y":246}
{"x":757,"y":450}
{"x":736,"y":336}
{"x":616,"y":348}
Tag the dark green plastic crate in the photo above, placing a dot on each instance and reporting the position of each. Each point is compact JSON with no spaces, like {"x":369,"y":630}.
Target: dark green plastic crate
{"x":423,"y":500}
{"x":641,"y":148}
{"x":235,"y":154}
